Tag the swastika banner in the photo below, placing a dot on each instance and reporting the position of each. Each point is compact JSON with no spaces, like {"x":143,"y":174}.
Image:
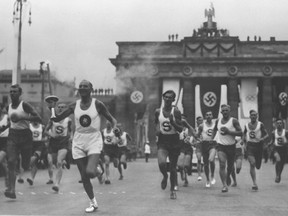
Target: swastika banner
{"x":281,"y":100}
{"x":210,"y":95}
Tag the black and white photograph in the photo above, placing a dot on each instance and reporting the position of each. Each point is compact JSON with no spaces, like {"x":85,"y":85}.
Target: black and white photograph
{"x":143,"y":107}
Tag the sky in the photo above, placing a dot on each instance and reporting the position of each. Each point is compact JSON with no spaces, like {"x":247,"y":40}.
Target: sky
{"x":78,"y":37}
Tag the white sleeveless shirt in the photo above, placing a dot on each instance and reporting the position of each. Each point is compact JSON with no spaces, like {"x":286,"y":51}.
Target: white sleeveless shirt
{"x":122,"y":140}
{"x":86,"y":121}
{"x":253,"y":135}
{"x":4,"y":122}
{"x":60,"y":129}
{"x":226,"y":139}
{"x":108,"y":137}
{"x":36,"y":132}
{"x":165,"y":125}
{"x":280,"y":139}
{"x":22,"y":124}
{"x":207,"y":131}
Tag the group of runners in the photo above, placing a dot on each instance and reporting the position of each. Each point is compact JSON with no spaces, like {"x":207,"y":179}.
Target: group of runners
{"x":23,"y":139}
{"x":224,"y":137}
{"x":91,"y":147}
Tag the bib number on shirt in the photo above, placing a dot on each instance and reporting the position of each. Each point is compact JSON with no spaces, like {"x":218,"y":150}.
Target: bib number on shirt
{"x":209,"y":132}
{"x":59,"y":129}
{"x":108,"y":139}
{"x":36,"y":134}
{"x":252,"y":135}
{"x":166,"y":126}
{"x":280,"y":141}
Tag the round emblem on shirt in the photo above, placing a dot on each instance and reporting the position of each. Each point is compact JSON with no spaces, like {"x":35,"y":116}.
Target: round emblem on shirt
{"x":85,"y":120}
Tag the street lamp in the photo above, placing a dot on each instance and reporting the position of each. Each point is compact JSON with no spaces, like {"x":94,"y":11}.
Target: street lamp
{"x":19,"y":5}
{"x":44,"y":69}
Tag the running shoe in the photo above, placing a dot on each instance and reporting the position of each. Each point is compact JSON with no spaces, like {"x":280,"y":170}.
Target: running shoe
{"x":107,"y":181}
{"x":176,"y":187}
{"x":121,"y":177}
{"x":185,"y":184}
{"x":224,"y":189}
{"x":49,"y":182}
{"x":164,"y":183}
{"x":30,"y":181}
{"x":208,"y":185}
{"x":173,"y":195}
{"x":277,"y":179}
{"x":213,"y":181}
{"x":80,"y":181}
{"x":254,"y":188}
{"x":10,"y":194}
{"x":20,"y":180}
{"x":199,"y":178}
{"x":234,"y":184}
{"x":55,"y":188}
{"x":92,"y":207}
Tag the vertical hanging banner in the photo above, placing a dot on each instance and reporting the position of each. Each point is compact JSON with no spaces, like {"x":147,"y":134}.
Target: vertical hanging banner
{"x":281,"y":100}
{"x":248,"y":97}
{"x":210,"y":95}
{"x":173,"y":84}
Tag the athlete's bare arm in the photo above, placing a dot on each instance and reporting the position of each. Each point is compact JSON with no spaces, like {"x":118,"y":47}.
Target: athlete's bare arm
{"x":102,"y":109}
{"x":200,"y":130}
{"x":156,"y":121}
{"x":34,"y":116}
{"x":191,"y":129}
{"x":48,"y":127}
{"x":65,"y":113}
{"x":129,"y":138}
{"x":264,"y":133}
{"x":215,"y":129}
{"x":176,"y":123}
{"x":237,"y":127}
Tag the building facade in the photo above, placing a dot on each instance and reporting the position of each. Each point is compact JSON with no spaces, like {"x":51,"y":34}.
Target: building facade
{"x":31,"y":83}
{"x":206,"y":69}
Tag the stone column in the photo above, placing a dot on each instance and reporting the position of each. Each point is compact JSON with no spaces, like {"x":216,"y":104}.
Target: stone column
{"x":154,"y":102}
{"x":121,"y":107}
{"x":189,"y":100}
{"x":266,"y":108}
{"x":233,"y":96}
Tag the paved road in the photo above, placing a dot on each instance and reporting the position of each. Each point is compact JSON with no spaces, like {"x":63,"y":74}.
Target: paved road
{"x":140,"y":194}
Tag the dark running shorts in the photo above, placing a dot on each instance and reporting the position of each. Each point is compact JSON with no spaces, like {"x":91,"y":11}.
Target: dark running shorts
{"x":255,"y":150}
{"x":3,"y":144}
{"x":55,"y":144}
{"x":206,"y":146}
{"x":169,"y":142}
{"x":282,"y":151}
{"x":229,"y":150}
{"x":19,"y":142}
{"x":110,"y":150}
{"x":37,"y":146}
{"x":122,"y":151}
{"x":186,"y":149}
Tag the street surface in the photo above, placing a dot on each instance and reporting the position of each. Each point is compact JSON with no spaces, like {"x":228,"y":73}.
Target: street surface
{"x":140,"y":194}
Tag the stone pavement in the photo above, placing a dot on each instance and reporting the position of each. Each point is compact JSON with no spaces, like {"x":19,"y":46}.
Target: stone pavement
{"x":140,"y":194}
